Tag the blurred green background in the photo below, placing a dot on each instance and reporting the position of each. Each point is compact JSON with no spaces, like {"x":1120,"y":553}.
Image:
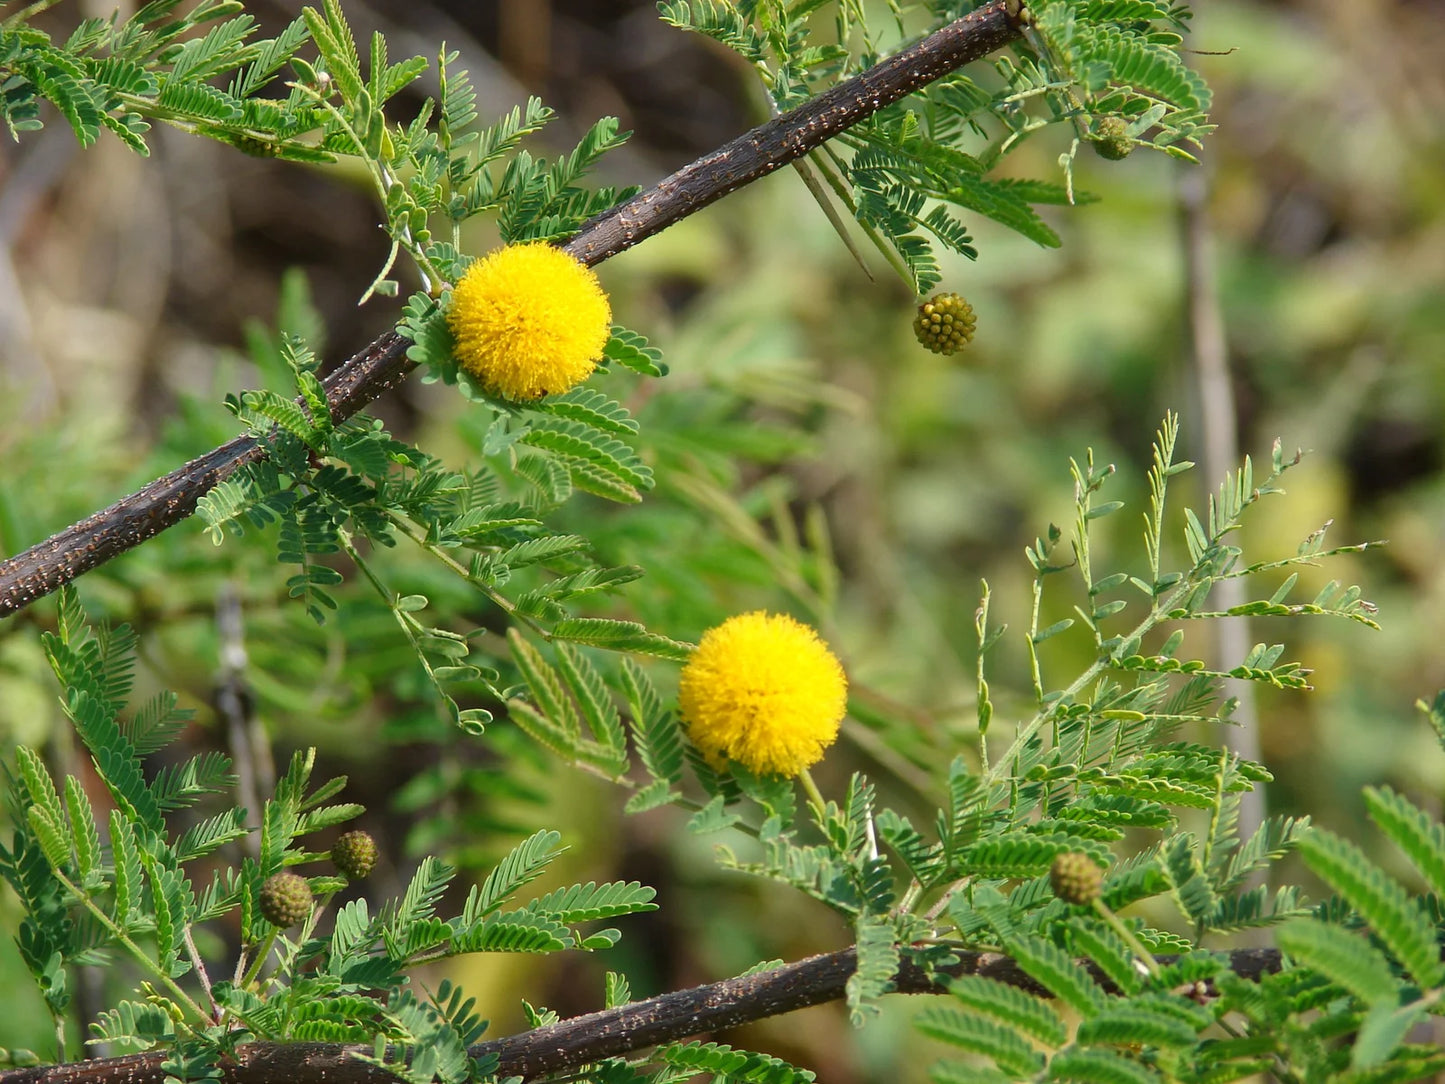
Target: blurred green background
{"x":797,"y":401}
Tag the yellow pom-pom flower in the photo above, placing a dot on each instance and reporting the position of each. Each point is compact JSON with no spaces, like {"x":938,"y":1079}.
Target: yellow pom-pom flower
{"x":763,"y":690}
{"x":528,"y":321}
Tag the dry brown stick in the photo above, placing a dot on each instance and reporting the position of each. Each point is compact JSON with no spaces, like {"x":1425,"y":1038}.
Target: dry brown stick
{"x":1218,"y":415}
{"x":58,"y":560}
{"x":579,"y":1040}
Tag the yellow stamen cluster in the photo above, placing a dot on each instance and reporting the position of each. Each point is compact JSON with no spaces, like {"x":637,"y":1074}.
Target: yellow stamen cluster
{"x":763,"y":690}
{"x":528,"y":321}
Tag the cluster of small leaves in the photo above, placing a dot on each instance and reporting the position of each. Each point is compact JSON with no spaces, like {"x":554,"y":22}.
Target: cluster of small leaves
{"x":431,"y":173}
{"x":318,"y":480}
{"x":1120,"y":58}
{"x":1364,"y":970}
{"x":849,"y":872}
{"x":83,"y":900}
{"x":351,"y":985}
{"x":908,"y":167}
{"x":846,"y":870}
{"x":354,"y":987}
{"x":96,"y":887}
{"x":685,"y":1061}
{"x":156,"y":65}
{"x":120,"y":76}
{"x":1375,"y":941}
{"x":1099,"y":759}
{"x":326,"y":486}
{"x":1132,"y":1028}
{"x":1097,"y":763}
{"x":905,"y":171}
{"x":565,"y":697}
{"x":1007,"y":846}
{"x":439,"y":169}
{"x":1129,"y":699}
{"x":86,"y":901}
{"x":779,"y":40}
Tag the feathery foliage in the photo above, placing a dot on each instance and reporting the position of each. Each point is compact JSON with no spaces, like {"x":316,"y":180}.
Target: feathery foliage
{"x":1112,"y":766}
{"x":133,"y":900}
{"x":906,"y":172}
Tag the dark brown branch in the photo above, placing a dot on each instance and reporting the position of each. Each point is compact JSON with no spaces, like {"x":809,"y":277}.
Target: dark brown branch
{"x":788,"y":137}
{"x":165,"y":502}
{"x":583,"y":1039}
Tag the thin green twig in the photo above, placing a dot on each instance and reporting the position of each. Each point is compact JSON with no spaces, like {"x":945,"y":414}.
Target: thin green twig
{"x":123,"y":939}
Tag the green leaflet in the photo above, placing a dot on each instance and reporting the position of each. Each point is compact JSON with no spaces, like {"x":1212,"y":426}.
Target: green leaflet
{"x":1009,"y":1006}
{"x":620,"y":636}
{"x":1420,"y":838}
{"x":585,"y":903}
{"x":1058,"y":972}
{"x":718,"y":21}
{"x":1011,"y":1052}
{"x":877,"y":964}
{"x":524,"y":864}
{"x":1101,"y":1066}
{"x":1342,"y":956}
{"x":1397,"y":919}
{"x":731,"y":1064}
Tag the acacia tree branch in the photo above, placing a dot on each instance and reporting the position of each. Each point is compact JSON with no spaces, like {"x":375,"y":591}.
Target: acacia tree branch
{"x":579,"y":1040}
{"x":58,"y":560}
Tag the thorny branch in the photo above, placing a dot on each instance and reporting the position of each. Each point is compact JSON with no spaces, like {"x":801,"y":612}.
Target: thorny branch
{"x":579,"y":1040}
{"x":58,"y":560}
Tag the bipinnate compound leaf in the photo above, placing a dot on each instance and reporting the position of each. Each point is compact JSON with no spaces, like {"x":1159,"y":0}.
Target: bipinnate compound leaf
{"x":1058,"y":972}
{"x":1419,"y":836}
{"x":1344,"y":956}
{"x":1011,"y":1006}
{"x":1398,"y":920}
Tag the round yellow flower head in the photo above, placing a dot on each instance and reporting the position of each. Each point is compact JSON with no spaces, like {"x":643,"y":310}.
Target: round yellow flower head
{"x":529,"y":320}
{"x":763,"y":690}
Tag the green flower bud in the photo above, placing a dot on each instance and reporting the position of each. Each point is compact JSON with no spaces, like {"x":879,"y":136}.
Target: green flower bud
{"x":354,"y":855}
{"x":1111,"y":139}
{"x":1076,"y":879}
{"x":285,"y":899}
{"x":944,"y":323}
